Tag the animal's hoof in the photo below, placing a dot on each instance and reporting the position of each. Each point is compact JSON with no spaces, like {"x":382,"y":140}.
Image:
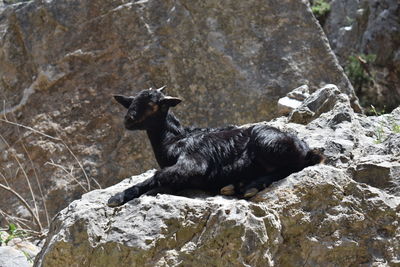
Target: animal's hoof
{"x":228,"y":190}
{"x":116,"y":200}
{"x":250,"y":192}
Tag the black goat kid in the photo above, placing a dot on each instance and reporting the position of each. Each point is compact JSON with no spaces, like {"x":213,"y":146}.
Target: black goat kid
{"x":232,"y":159}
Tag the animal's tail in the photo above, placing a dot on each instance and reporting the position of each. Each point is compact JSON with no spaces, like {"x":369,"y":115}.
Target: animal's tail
{"x":314,"y":157}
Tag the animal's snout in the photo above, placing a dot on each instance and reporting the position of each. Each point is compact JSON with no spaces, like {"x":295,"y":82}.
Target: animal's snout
{"x":128,"y":117}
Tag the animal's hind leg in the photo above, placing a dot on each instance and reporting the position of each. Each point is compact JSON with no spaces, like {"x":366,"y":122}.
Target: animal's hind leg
{"x":255,"y":186}
{"x":231,"y":189}
{"x":262,"y":182}
{"x":228,"y":190}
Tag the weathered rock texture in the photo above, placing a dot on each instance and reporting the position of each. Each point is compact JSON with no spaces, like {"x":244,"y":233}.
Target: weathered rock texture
{"x":372,"y":27}
{"x":344,"y":213}
{"x":10,"y":257}
{"x":60,"y":62}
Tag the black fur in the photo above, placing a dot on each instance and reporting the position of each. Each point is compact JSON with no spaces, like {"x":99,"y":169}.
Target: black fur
{"x":209,"y":158}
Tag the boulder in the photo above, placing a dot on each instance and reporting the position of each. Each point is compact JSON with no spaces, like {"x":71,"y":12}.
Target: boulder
{"x":343,"y":213}
{"x":61,"y":61}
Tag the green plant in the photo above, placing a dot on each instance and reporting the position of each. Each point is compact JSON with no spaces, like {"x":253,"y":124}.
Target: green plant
{"x":394,"y":125}
{"x":320,"y":8}
{"x":379,"y":134}
{"x":396,"y":128}
{"x":349,"y":21}
{"x":375,"y":112}
{"x":379,"y":131}
{"x":13,"y":232}
{"x":357,"y":69}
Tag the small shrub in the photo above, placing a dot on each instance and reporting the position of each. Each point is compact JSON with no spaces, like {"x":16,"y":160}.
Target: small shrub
{"x":320,"y":8}
{"x":396,"y":128}
{"x":357,"y":69}
{"x":12,"y":232}
{"x":394,"y":125}
{"x":390,"y":123}
{"x":373,"y":111}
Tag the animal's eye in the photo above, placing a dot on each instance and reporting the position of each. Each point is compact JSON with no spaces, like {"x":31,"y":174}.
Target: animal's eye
{"x":152,"y":106}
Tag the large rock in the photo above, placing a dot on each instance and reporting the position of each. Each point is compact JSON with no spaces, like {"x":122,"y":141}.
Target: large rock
{"x":344,"y":213}
{"x":60,"y":62}
{"x":317,"y":217}
{"x":372,"y":27}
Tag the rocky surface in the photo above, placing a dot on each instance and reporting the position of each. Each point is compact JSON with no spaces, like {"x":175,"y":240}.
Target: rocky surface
{"x":372,"y":27}
{"x":293,"y":100}
{"x":343,"y":213}
{"x":60,"y":62}
{"x":17,"y":249}
{"x":11,"y":257}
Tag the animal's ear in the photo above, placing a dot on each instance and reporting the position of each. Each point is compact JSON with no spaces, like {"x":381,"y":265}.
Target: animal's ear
{"x":170,"y":101}
{"x":123,"y":100}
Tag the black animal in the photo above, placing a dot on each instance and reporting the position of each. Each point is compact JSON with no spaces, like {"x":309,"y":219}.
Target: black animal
{"x":235,"y":160}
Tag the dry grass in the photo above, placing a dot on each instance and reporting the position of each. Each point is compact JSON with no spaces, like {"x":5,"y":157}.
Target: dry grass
{"x":35,"y":227}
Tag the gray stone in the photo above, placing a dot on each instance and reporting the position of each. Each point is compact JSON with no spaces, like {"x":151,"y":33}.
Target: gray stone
{"x":323,"y":100}
{"x":300,"y":93}
{"x":380,"y":172}
{"x":287,"y":105}
{"x":10,"y":257}
{"x":27,"y":248}
{"x":292,"y":100}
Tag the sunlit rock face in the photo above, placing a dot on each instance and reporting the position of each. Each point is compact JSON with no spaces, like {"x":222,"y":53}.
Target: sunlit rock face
{"x":61,"y":61}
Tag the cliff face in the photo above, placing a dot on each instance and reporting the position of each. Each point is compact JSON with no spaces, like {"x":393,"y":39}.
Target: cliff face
{"x":369,"y":27}
{"x":60,"y":62}
{"x":344,"y":213}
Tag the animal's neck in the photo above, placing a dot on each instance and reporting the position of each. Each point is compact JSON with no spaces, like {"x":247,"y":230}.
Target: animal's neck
{"x":160,"y":135}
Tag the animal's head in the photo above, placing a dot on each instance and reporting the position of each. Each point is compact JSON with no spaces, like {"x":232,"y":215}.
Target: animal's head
{"x":146,"y":108}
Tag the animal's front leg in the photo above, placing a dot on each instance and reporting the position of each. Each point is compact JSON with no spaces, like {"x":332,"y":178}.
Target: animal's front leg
{"x":177,"y":177}
{"x":131,"y":193}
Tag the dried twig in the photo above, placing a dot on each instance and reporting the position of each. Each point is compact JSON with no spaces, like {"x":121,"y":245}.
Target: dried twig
{"x":57,"y":139}
{"x":15,"y":219}
{"x":26,"y":178}
{"x":79,"y":163}
{"x":364,"y":65}
{"x":97,"y":183}
{"x":4,"y":178}
{"x":30,"y":129}
{"x":20,"y":221}
{"x":23,"y":201}
{"x":52,"y":163}
{"x":39,"y":186}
